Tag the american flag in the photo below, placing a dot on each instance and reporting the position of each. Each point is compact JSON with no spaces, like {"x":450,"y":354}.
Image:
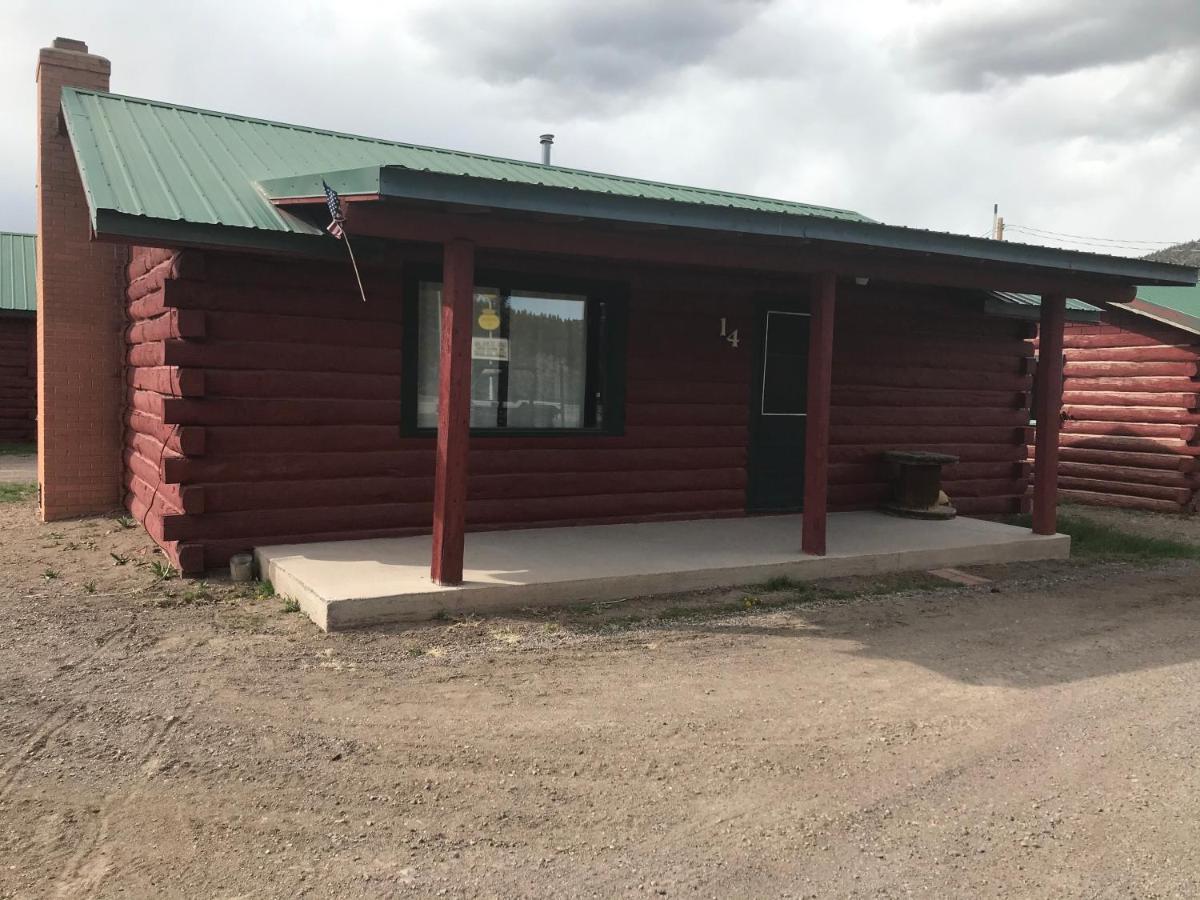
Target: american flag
{"x":335,"y":210}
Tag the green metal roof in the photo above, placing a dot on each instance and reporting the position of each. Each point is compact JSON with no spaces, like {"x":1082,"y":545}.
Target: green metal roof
{"x":1036,"y":301}
{"x":1184,"y":300}
{"x":1175,"y":306}
{"x":154,"y":171}
{"x":144,"y":158}
{"x":1028,"y":306}
{"x":18,"y":273}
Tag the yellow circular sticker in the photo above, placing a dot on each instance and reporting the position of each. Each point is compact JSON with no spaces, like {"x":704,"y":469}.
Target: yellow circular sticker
{"x":488,"y":320}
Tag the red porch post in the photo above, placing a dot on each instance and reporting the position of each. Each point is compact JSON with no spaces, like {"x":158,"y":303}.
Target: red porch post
{"x":816,"y":436}
{"x":1048,"y":413}
{"x":454,"y":412}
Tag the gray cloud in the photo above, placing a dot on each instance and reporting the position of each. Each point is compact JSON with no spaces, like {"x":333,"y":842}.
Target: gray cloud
{"x":983,"y":45}
{"x":912,"y":111}
{"x":602,"y":49}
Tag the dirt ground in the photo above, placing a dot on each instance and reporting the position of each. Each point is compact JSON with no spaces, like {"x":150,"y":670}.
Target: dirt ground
{"x":1034,"y":737}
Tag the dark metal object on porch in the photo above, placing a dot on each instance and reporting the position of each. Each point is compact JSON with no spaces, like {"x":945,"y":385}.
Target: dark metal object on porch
{"x":917,"y":484}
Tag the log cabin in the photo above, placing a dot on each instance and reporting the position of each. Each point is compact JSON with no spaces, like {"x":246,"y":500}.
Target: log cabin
{"x":18,"y":326}
{"x":1131,"y":404}
{"x":530,"y":345}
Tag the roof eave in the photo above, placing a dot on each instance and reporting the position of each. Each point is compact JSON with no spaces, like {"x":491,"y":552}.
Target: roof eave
{"x":393,"y":182}
{"x":1160,"y":314}
{"x":116,"y":226}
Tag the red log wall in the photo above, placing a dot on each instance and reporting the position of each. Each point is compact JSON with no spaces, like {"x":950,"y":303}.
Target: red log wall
{"x":927,"y":370}
{"x":1130,"y":405}
{"x":18,"y":378}
{"x":264,"y":407}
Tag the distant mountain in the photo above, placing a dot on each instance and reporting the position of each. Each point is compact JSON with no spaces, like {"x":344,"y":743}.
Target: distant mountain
{"x":1186,"y":254}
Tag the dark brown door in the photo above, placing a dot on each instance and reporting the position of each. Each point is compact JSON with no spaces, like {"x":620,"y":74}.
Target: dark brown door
{"x":778,"y":407}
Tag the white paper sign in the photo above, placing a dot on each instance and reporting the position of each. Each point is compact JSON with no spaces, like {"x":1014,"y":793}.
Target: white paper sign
{"x":489,"y":348}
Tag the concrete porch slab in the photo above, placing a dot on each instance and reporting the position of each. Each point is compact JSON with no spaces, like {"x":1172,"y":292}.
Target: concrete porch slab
{"x":348,"y":584}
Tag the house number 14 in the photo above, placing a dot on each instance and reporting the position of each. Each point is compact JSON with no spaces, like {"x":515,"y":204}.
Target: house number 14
{"x":731,"y":336}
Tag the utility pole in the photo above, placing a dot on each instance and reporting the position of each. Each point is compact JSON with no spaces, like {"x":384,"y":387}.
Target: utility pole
{"x":997,"y":223}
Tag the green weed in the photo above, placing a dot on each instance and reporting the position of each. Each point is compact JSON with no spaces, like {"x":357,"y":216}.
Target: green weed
{"x":199,"y":592}
{"x":779,"y":583}
{"x":162,"y":571}
{"x":16,"y":493}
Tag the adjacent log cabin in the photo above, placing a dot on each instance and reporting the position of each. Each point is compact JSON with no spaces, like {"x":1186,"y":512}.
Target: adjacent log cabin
{"x":532,"y":345}
{"x":18,"y":327}
{"x":1131,"y":405}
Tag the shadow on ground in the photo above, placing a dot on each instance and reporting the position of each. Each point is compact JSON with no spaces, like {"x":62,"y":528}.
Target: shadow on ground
{"x":1060,"y":628}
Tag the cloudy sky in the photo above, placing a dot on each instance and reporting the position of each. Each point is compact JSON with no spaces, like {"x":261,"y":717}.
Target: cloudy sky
{"x":1080,"y":117}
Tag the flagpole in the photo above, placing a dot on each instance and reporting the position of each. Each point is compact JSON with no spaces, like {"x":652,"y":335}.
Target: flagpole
{"x":338,"y":229}
{"x":354,"y":263}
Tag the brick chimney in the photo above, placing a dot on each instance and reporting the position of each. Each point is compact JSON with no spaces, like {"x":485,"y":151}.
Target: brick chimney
{"x":80,"y":319}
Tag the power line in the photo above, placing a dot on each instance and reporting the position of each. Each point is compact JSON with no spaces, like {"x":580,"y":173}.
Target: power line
{"x":1083,"y":238}
{"x":1144,"y":248}
{"x":1087,"y":237}
{"x":1096,"y":243}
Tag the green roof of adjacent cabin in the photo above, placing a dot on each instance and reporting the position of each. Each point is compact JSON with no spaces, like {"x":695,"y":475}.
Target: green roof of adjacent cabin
{"x":1033,"y":300}
{"x":176,"y":163}
{"x":1184,"y":300}
{"x":18,"y":273}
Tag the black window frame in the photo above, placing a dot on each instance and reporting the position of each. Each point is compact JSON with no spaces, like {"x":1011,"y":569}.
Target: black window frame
{"x":606,"y":309}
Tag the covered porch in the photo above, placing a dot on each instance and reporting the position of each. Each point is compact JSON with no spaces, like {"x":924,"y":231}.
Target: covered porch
{"x":348,"y":584}
{"x":473,"y":217}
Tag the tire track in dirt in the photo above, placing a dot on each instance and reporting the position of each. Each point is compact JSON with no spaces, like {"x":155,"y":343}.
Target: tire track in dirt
{"x":58,"y":718}
{"x":91,"y":863}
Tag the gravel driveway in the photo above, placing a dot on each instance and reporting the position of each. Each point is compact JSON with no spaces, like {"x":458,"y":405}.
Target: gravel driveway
{"x":1033,"y":737}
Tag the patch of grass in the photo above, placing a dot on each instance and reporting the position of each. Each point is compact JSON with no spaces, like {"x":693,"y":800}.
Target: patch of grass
{"x":1091,"y":540}
{"x":126,"y":521}
{"x":17,"y":493}
{"x":199,"y":592}
{"x":89,"y":587}
{"x":162,"y":571}
{"x":782,"y":593}
{"x":677,"y":612}
{"x":50,"y":574}
{"x":119,"y":559}
{"x":8,"y":448}
{"x":291,"y":606}
{"x":779,"y":583}
{"x":264,"y":590}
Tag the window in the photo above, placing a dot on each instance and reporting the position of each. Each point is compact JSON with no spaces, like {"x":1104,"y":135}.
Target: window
{"x":785,"y":364}
{"x":541,"y":359}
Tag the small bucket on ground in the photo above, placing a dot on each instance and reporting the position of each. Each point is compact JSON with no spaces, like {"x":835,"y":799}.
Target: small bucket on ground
{"x":241,"y":567}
